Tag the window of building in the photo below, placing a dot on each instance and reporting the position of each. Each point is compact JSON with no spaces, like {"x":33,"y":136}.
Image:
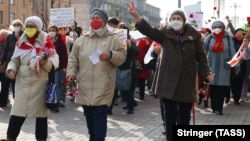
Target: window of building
{"x":23,"y":3}
{"x":1,"y":17}
{"x":12,"y":1}
{"x":23,"y":18}
{"x":12,"y":17}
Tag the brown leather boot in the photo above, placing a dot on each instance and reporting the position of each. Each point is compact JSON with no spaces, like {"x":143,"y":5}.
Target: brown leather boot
{"x":41,"y":139}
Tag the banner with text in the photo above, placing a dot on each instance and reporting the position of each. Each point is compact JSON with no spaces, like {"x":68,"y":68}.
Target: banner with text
{"x":62,"y":17}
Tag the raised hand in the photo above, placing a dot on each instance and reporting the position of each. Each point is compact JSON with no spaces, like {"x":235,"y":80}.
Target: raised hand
{"x":132,"y":11}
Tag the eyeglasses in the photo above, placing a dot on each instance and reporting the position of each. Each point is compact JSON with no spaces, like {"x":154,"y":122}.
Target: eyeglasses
{"x":16,"y":24}
{"x":30,"y":26}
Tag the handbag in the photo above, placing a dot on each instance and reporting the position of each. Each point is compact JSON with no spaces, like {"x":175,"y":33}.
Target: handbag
{"x":123,"y":79}
{"x":51,"y":100}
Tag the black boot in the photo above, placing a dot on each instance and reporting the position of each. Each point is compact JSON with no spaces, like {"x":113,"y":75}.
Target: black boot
{"x":205,"y":103}
{"x":200,"y":99}
{"x":91,"y":139}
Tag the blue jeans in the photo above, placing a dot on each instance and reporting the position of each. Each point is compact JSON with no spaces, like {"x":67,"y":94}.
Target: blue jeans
{"x":96,"y":118}
{"x":60,"y":76}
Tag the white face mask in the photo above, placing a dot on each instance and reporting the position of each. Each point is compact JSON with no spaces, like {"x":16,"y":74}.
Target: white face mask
{"x":52,"y":34}
{"x":217,"y":30}
{"x":110,"y":28}
{"x":16,"y":29}
{"x":176,"y":24}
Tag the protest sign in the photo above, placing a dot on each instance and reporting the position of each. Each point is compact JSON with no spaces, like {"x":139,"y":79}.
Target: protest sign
{"x":62,"y":17}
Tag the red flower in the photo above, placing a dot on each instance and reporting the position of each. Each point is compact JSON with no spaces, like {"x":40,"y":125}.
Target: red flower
{"x":215,"y":8}
{"x":191,"y":15}
{"x":248,"y":19}
{"x":49,"y":43}
{"x":209,"y":20}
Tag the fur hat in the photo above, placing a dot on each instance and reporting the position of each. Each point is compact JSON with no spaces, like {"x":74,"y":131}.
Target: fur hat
{"x":101,"y":13}
{"x":36,"y":20}
{"x":180,"y":13}
{"x":218,"y":23}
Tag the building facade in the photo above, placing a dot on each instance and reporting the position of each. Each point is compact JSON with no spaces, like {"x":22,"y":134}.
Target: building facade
{"x":21,"y":9}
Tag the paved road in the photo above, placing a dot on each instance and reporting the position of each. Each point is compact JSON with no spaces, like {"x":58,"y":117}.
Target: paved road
{"x":144,"y":125}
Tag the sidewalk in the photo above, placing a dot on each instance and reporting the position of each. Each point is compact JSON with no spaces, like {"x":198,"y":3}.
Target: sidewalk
{"x":144,"y":125}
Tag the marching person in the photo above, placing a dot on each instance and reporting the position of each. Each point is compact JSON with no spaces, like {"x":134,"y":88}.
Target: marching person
{"x":93,"y":62}
{"x":182,"y":49}
{"x":30,"y":83}
{"x":6,"y":57}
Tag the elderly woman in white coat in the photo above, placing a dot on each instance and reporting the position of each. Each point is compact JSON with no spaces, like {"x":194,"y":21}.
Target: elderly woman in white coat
{"x":30,"y":80}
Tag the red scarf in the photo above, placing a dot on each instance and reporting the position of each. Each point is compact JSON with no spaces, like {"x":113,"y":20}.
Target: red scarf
{"x":63,"y":37}
{"x":218,"y":44}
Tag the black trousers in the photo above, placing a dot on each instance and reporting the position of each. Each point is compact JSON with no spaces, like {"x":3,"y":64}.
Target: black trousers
{"x":16,"y":123}
{"x":236,"y":86}
{"x":5,"y":85}
{"x":176,"y":113}
{"x":142,"y":87}
{"x":217,"y":95}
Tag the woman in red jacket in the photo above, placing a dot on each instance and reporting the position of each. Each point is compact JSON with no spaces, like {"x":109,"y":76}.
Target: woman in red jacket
{"x":143,"y":44}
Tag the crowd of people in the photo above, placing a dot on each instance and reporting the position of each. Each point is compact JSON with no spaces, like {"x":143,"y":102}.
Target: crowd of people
{"x":185,"y":57}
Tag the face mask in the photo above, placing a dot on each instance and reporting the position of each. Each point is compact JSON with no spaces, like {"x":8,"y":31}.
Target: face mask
{"x":96,"y":24}
{"x":16,"y":29}
{"x":239,"y":36}
{"x":176,"y":25}
{"x":30,"y":32}
{"x":2,"y":39}
{"x":110,"y":28}
{"x":217,"y":30}
{"x":52,"y":34}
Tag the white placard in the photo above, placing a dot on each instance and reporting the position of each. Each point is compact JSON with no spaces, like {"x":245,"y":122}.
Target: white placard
{"x":62,"y":17}
{"x":122,"y":35}
{"x":136,"y":34}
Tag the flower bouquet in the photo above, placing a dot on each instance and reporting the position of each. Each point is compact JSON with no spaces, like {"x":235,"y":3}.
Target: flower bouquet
{"x":71,"y":88}
{"x":42,"y":54}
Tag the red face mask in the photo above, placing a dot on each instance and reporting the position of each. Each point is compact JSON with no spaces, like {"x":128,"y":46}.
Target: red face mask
{"x":2,"y":38}
{"x":96,"y":24}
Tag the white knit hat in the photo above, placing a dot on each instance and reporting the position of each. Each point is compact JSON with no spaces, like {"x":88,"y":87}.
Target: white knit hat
{"x":36,"y":20}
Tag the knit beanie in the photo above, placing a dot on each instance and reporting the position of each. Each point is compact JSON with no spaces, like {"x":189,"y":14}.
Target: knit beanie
{"x":36,"y":20}
{"x":180,"y":13}
{"x":101,"y":13}
{"x":218,"y":23}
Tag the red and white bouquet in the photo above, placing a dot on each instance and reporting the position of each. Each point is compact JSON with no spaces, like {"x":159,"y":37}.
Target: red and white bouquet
{"x":42,"y":54}
{"x":71,"y":88}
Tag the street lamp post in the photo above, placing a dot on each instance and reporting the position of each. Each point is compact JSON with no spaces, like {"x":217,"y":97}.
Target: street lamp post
{"x":235,"y":6}
{"x":179,"y":3}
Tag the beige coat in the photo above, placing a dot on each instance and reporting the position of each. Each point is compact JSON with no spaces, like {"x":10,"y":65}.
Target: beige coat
{"x":96,"y":82}
{"x":30,"y":88}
